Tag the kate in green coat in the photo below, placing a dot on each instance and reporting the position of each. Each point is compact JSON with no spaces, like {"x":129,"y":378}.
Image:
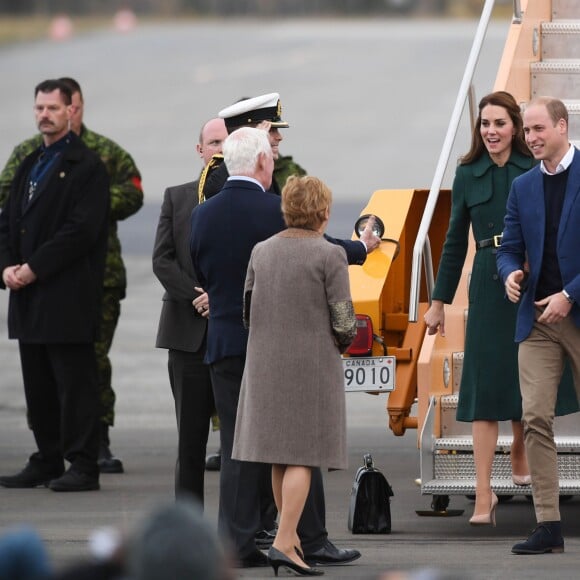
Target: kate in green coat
{"x":489,"y":389}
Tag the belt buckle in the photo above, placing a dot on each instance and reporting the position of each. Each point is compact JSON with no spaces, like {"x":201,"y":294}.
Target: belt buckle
{"x":497,"y":240}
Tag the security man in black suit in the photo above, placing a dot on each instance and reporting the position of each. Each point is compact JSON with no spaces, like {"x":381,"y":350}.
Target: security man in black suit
{"x":53,"y":241}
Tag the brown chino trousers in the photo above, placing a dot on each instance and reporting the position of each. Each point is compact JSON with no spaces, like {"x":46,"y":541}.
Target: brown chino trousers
{"x":541,"y":360}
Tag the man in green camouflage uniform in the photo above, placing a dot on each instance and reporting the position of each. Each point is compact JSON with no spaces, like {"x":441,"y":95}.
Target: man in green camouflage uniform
{"x":126,"y":198}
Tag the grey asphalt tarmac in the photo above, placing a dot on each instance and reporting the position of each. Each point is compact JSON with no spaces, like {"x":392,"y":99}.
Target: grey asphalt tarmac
{"x":368,"y":103}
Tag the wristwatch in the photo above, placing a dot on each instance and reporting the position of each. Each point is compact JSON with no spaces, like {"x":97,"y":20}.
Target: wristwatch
{"x":568,"y":297}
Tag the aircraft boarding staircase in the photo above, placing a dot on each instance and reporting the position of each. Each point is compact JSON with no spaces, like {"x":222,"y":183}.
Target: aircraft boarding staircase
{"x":550,"y":33}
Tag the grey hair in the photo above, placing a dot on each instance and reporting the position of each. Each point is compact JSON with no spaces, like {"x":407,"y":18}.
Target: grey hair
{"x":242,"y":149}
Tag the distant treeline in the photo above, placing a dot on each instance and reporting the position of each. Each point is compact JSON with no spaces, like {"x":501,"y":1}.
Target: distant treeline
{"x":217,"y":7}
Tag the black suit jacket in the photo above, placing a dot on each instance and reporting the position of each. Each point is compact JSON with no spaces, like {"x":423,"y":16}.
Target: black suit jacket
{"x":62,"y":235}
{"x":224,"y":231}
{"x":180,"y":326}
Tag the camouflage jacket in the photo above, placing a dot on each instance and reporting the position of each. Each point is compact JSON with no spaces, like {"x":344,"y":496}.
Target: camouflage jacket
{"x":284,"y":167}
{"x":125,"y":189}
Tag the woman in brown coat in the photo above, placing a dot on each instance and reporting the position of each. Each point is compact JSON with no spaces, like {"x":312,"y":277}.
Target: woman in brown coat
{"x":298,"y":308}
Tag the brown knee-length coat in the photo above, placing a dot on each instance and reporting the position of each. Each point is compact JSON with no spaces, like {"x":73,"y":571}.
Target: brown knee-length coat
{"x":292,"y":402}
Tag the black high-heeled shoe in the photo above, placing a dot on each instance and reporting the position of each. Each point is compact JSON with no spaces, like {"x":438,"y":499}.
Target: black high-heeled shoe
{"x":277,"y":559}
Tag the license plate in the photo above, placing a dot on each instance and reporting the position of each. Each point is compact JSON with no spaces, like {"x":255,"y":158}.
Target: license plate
{"x":370,"y":374}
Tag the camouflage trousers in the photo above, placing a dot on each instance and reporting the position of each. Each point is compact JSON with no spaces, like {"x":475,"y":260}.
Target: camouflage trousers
{"x":111,"y":310}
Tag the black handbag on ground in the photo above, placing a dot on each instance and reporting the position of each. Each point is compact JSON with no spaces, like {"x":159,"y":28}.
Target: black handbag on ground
{"x":370,"y":501}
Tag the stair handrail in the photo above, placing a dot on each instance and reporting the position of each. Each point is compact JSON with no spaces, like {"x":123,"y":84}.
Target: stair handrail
{"x":517,"y":19}
{"x":422,"y":247}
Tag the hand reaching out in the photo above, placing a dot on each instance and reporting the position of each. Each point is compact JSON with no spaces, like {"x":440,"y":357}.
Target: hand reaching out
{"x":371,"y":240}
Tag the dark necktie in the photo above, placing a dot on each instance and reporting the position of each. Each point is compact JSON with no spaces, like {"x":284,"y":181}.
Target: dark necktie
{"x":40,"y":171}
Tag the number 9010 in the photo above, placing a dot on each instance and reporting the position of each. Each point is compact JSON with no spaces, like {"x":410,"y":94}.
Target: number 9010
{"x":363,"y":376}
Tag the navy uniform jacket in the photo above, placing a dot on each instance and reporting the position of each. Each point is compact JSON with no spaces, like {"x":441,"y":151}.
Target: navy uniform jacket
{"x":224,"y":230}
{"x":62,"y":235}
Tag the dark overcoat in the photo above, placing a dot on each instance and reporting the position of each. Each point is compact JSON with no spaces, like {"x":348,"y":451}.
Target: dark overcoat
{"x":224,"y":230}
{"x":489,"y":388}
{"x":62,"y":235}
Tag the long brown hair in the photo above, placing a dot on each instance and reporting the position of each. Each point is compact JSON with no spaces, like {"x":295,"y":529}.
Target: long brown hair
{"x":507,"y":101}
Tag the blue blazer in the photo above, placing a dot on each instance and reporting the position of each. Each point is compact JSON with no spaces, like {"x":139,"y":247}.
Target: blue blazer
{"x":224,"y":230}
{"x":523,"y":237}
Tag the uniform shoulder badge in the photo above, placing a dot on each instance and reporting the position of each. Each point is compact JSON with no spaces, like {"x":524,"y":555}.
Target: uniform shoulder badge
{"x":213,"y":164}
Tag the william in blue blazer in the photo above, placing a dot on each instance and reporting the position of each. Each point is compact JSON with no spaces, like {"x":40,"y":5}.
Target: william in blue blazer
{"x":539,"y":262}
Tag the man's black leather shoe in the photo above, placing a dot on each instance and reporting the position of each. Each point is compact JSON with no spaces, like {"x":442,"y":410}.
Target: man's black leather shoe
{"x":256,"y":559}
{"x":75,"y":481}
{"x":329,"y":554}
{"x":108,"y":463}
{"x":265,"y":539}
{"x":30,"y":476}
{"x":546,"y":538}
{"x":213,"y":462}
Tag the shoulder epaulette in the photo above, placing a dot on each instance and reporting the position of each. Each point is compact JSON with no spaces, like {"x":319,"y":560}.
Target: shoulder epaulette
{"x":214,"y":163}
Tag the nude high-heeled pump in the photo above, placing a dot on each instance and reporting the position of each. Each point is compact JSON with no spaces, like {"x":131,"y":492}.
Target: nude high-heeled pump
{"x":521,"y":479}
{"x":486,"y":519}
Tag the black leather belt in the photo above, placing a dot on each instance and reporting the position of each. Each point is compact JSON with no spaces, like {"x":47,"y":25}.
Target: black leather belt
{"x":495,"y":242}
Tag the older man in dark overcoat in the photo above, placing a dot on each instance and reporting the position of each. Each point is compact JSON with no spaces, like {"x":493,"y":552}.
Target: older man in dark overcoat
{"x":53,"y":239}
{"x":224,"y":230}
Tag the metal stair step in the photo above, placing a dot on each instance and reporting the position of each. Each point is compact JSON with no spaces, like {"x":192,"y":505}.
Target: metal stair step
{"x":564,"y":444}
{"x":465,"y":443}
{"x":558,"y":78}
{"x":501,"y":486}
{"x":573,"y":119}
{"x":565,"y":10}
{"x":560,"y":40}
{"x":567,"y":428}
{"x":449,"y":401}
{"x":459,"y":469}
